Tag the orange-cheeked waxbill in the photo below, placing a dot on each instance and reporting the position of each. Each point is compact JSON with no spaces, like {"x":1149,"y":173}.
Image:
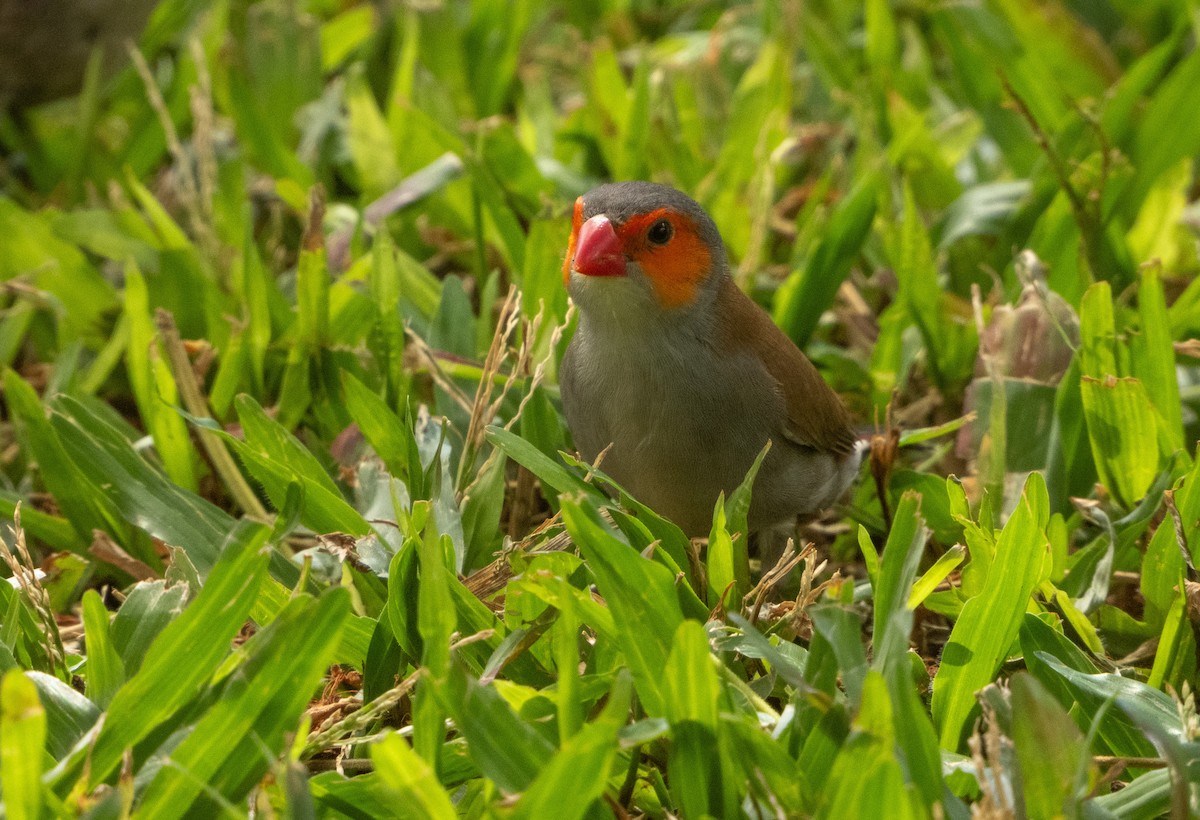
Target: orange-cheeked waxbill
{"x":684,"y":375}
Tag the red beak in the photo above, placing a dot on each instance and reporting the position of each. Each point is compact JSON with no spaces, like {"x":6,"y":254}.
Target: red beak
{"x":598,"y":251}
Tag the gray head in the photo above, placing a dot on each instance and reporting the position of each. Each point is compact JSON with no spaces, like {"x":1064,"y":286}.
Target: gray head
{"x":639,"y":247}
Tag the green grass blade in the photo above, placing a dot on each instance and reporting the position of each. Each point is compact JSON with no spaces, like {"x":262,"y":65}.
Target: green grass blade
{"x":154,"y":386}
{"x":411,"y":783}
{"x":105,"y":670}
{"x":640,"y":594}
{"x":893,"y":614}
{"x":804,"y":297}
{"x":990,"y":621}
{"x":235,"y":742}
{"x":693,"y":696}
{"x":182,"y":659}
{"x":1050,"y":750}
{"x":572,"y":781}
{"x":22,"y":743}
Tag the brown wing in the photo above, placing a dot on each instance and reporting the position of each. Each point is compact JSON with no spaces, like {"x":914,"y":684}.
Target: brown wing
{"x":816,"y":416}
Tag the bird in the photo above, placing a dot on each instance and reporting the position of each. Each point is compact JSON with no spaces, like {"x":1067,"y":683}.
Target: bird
{"x":682,"y":378}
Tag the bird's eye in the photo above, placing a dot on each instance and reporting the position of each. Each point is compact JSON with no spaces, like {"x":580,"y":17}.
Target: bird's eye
{"x":660,"y":232}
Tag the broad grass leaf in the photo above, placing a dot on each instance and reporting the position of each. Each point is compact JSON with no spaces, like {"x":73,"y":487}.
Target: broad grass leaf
{"x":141,"y":494}
{"x":1153,"y":357}
{"x":1153,"y":711}
{"x":866,"y":779}
{"x":912,"y":258}
{"x":1115,"y":734}
{"x":1070,"y":468}
{"x":806,"y":295}
{"x":311,"y":331}
{"x":225,"y":754}
{"x":639,"y":592}
{"x":67,"y":482}
{"x":69,"y":715}
{"x":841,"y":627}
{"x":637,"y":522}
{"x":915,"y":736}
{"x":901,"y":556}
{"x":28,"y":245}
{"x":386,"y":338}
{"x":725,"y":588}
{"x":453,"y":326}
{"x":577,"y":775}
{"x":1050,"y":750}
{"x":1175,"y":657}
{"x":1163,"y":563}
{"x":410,"y":782}
{"x":183,"y":658}
{"x":982,"y":210}
{"x":507,"y":750}
{"x":154,"y":385}
{"x":271,"y":440}
{"x":435,"y":622}
{"x":368,"y":138}
{"x":541,"y":280}
{"x":693,"y":698}
{"x":990,"y":621}
{"x":363,"y":798}
{"x":1143,"y":798}
{"x":22,"y":746}
{"x":482,"y":508}
{"x":1122,"y":423}
{"x":733,"y":535}
{"x":267,"y":132}
{"x":105,"y":669}
{"x":552,"y":474}
{"x":388,"y":434}
{"x":1123,"y":428}
{"x":946,"y":563}
{"x":1162,"y":139}
{"x":147,"y":610}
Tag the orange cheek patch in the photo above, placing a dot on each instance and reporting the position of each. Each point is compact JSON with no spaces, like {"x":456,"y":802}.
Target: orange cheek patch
{"x":576,"y":223}
{"x":676,"y":269}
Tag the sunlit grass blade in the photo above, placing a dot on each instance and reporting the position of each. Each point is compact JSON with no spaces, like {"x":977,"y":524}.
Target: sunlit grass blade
{"x":990,"y":621}
{"x":22,"y":746}
{"x":183,"y":658}
{"x":640,"y":594}
{"x":807,"y":295}
{"x":411,"y":783}
{"x":105,"y":671}
{"x":893,"y":613}
{"x":224,"y":753}
{"x":576,"y":777}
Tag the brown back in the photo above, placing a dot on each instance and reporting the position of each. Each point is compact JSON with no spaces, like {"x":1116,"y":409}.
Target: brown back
{"x":816,"y":416}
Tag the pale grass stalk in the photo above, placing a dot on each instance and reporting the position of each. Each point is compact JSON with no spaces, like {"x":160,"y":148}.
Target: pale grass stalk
{"x":190,"y":183}
{"x":422,"y":349}
{"x":504,"y":329}
{"x":24,"y":572}
{"x":197,"y":404}
{"x":989,"y":771}
{"x":483,"y":408}
{"x":788,"y":561}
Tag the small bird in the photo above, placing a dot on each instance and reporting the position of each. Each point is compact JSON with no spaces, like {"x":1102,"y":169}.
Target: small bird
{"x":683,"y":375}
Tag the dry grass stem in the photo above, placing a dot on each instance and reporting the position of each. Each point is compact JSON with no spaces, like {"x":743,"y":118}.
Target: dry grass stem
{"x":25,"y":574}
{"x":787,"y":562}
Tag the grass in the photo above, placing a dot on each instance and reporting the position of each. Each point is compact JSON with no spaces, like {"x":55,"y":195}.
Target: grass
{"x":282,"y":315}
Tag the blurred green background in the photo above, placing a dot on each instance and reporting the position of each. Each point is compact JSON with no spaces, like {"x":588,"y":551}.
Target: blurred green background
{"x":286,"y":276}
